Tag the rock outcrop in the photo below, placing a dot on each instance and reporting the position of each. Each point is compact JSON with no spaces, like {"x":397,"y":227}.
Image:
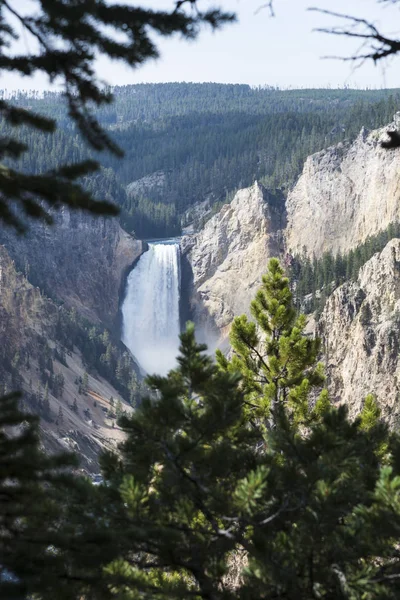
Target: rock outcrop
{"x":229,"y":255}
{"x":80,"y":261}
{"x":345,"y":194}
{"x":360,"y":328}
{"x":154,"y":181}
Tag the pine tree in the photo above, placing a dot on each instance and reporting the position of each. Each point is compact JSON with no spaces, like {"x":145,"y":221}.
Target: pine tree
{"x":39,"y":397}
{"x":85,"y":383}
{"x":29,"y":508}
{"x":60,"y":417}
{"x":51,"y":542}
{"x":276,"y":360}
{"x":118,"y":408}
{"x":303,"y":511}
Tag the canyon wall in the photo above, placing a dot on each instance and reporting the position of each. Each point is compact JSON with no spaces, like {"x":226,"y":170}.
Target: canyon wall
{"x":29,"y":322}
{"x":229,"y":255}
{"x":360,"y":329}
{"x":80,"y":261}
{"x":344,"y":194}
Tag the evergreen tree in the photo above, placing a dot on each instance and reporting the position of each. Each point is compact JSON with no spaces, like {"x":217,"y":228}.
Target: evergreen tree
{"x":276,"y":360}
{"x":39,"y":397}
{"x":51,"y":542}
{"x":60,"y":417}
{"x":303,"y":512}
{"x":118,"y":408}
{"x":29,"y":509}
{"x":85,"y":383}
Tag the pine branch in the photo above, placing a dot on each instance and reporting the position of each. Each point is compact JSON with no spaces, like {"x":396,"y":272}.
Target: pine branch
{"x":364,"y":30}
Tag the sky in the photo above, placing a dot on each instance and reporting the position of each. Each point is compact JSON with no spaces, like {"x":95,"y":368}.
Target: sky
{"x":283,"y":51}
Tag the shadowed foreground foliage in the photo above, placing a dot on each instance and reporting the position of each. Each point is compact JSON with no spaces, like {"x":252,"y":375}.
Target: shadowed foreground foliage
{"x":240,"y":465}
{"x":216,"y":468}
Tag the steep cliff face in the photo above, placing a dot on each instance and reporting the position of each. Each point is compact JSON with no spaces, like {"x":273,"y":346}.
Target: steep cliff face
{"x":360,"y":328}
{"x":229,"y":255}
{"x":29,"y":325}
{"x":345,"y":194}
{"x":80,"y":260}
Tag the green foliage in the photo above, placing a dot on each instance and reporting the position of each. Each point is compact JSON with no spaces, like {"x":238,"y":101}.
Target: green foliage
{"x":302,"y":501}
{"x":100,"y":353}
{"x":30,"y":484}
{"x":275,"y":358}
{"x":149,"y":219}
{"x":176,"y":480}
{"x":206,"y":139}
{"x":370,"y":413}
{"x":85,"y":383}
{"x":52,"y":544}
{"x":202,"y":483}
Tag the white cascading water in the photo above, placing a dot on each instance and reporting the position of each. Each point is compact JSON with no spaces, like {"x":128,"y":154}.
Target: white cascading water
{"x":150,"y":311}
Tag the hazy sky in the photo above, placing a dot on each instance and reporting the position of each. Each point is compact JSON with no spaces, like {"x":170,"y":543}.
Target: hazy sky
{"x":283,"y":51}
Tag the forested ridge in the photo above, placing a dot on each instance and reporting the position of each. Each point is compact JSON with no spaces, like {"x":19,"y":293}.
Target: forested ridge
{"x":207,"y":139}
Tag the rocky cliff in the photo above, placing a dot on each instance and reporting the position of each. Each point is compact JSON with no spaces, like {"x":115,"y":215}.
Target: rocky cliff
{"x":360,"y":328}
{"x":80,"y":261}
{"x":228,"y":256}
{"x":29,"y":324}
{"x":345,"y":194}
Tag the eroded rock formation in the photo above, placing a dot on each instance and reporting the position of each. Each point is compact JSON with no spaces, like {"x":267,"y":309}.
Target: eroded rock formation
{"x":360,"y":328}
{"x":230,"y":254}
{"x":29,"y":326}
{"x":345,"y":194}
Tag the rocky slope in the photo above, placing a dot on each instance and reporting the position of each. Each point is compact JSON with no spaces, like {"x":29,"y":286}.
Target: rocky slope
{"x":227,"y":258}
{"x":360,"y":328}
{"x":29,"y":325}
{"x":80,"y":261}
{"x":345,"y":194}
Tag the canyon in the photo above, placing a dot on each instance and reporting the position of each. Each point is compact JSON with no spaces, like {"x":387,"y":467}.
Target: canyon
{"x":344,"y":194}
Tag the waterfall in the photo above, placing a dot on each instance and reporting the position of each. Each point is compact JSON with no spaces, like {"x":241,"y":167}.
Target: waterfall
{"x":150,"y":311}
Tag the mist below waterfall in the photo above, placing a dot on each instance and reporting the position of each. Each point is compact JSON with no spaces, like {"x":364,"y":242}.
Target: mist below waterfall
{"x":150,"y":311}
